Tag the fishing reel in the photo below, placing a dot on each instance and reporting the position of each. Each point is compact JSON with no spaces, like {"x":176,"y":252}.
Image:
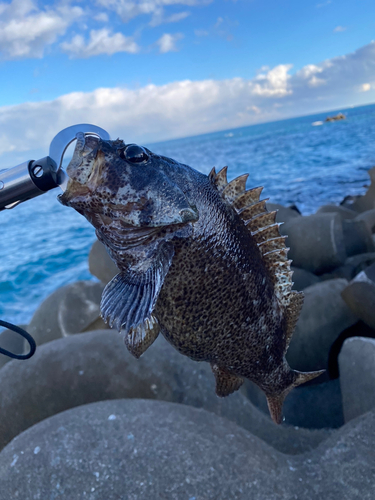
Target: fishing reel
{"x":33,"y":178}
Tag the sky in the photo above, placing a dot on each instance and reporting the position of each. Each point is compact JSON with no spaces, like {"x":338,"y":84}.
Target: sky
{"x":152,"y":70}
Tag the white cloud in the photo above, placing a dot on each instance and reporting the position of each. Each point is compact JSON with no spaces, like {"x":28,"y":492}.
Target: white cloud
{"x":167,"y":42}
{"x":339,"y":29}
{"x":160,"y":18}
{"x":309,"y":73}
{"x":274,"y":83}
{"x":101,"y":42}
{"x":25,"y":30}
{"x":184,"y":108}
{"x":365,"y":87}
{"x":129,"y":9}
{"x":102,"y":17}
{"x":200,"y":33}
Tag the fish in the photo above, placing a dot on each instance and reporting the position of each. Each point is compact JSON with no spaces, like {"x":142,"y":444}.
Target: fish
{"x":201,"y":261}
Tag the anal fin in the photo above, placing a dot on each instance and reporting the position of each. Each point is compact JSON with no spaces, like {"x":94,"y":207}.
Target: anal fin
{"x":226,"y":382}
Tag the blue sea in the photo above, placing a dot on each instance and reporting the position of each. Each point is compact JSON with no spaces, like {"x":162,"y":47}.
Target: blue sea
{"x":44,"y":245}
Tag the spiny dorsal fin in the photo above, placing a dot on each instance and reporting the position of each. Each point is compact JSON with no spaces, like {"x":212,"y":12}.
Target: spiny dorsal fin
{"x":220,"y":179}
{"x":276,"y":256}
{"x":274,"y":244}
{"x":235,"y":188}
{"x":261,"y":221}
{"x":248,"y":198}
{"x":265,"y":231}
{"x":212,"y":174}
{"x":256,"y":209}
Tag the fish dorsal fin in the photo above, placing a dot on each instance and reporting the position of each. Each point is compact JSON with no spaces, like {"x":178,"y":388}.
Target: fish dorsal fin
{"x":219,"y":179}
{"x":265,"y":231}
{"x":292,"y":314}
{"x":235,"y":188}
{"x":248,"y":198}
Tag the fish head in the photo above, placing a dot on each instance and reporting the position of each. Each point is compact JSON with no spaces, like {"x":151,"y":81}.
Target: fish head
{"x":125,"y":181}
{"x":126,"y":192}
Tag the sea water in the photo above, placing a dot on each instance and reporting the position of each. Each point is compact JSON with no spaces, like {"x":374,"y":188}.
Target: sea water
{"x":44,"y":245}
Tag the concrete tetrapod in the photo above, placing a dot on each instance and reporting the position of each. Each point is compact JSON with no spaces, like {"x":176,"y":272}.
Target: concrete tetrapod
{"x":316,"y":242}
{"x":323,"y":317}
{"x":357,"y":376}
{"x":71,"y":309}
{"x":96,"y":366}
{"x":153,"y":450}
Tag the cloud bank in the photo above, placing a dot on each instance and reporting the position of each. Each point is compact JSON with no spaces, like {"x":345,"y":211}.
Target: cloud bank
{"x":183,"y":108}
{"x":100,"y":42}
{"x":25,"y":30}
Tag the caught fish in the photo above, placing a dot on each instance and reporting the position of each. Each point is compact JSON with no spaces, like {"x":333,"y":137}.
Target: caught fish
{"x":202,"y":262}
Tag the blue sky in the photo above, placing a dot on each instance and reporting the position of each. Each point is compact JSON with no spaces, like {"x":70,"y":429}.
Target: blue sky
{"x":158,"y":69}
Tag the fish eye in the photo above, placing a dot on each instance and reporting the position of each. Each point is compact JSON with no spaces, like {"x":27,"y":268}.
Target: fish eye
{"x":135,"y":154}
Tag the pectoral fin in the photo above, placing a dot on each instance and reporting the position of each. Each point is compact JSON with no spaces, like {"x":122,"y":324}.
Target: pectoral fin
{"x":130,"y":297}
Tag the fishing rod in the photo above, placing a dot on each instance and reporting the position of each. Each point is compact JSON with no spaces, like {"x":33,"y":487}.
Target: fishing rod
{"x":33,"y":178}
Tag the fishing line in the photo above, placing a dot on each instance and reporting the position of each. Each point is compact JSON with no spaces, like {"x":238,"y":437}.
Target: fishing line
{"x":23,"y":334}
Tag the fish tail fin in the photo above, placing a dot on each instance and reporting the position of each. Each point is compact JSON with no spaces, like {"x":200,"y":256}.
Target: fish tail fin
{"x":275,"y":401}
{"x":302,"y":377}
{"x":275,"y":406}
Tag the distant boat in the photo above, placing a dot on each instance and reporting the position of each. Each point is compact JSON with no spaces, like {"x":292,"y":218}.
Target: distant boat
{"x":336,"y":118}
{"x":316,"y":124}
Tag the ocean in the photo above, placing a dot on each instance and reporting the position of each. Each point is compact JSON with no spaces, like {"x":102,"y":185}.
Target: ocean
{"x":44,"y":245}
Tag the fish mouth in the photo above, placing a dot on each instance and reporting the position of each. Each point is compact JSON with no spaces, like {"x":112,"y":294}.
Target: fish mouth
{"x":119,"y":235}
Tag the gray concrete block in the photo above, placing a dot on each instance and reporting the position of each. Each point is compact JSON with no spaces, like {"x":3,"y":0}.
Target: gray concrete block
{"x":357,"y":376}
{"x":316,"y":242}
{"x":323,"y":317}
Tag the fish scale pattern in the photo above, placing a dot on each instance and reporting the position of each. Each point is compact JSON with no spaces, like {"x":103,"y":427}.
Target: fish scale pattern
{"x":265,"y":230}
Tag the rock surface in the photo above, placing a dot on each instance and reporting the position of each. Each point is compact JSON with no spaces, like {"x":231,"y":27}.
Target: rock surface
{"x":368,"y":218}
{"x":365,"y":202}
{"x":323,"y":317}
{"x":357,"y":376}
{"x":344,"y":212}
{"x":96,"y":366}
{"x":360,"y":262}
{"x":302,"y":278}
{"x":284,"y":214}
{"x":316,"y":242}
{"x":12,"y":342}
{"x":353,"y":266}
{"x":359,"y":329}
{"x":360,"y":296}
{"x":71,"y":309}
{"x":155,"y":450}
{"x":100,"y":263}
{"x":357,"y":237}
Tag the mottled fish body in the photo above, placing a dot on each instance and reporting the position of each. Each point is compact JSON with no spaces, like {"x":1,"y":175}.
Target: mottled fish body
{"x":202,"y":261}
